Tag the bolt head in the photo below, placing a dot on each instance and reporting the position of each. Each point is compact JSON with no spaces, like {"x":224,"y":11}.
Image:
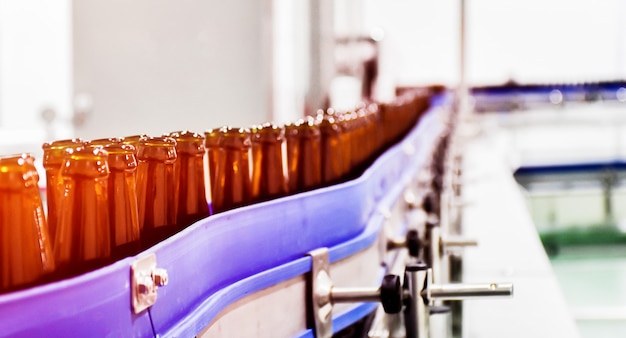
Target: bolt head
{"x":145,"y":285}
{"x":160,"y":277}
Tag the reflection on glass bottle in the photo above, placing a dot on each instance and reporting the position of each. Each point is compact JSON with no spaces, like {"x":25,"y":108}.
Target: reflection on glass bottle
{"x":83,"y":241}
{"x":269,"y":176}
{"x":156,"y":189}
{"x":214,"y":153}
{"x":233,"y":180}
{"x":25,"y":248}
{"x":192,"y":203}
{"x":122,"y":200}
{"x":304,"y":156}
{"x":52,"y":160}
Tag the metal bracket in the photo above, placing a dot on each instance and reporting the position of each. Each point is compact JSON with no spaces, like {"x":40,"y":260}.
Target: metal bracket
{"x":321,"y":286}
{"x":145,"y":280}
{"x":323,"y":294}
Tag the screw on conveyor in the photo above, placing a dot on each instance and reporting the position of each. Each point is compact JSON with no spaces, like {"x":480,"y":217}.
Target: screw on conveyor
{"x":416,"y":295}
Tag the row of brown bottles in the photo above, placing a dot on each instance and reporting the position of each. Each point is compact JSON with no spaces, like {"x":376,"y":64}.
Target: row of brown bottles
{"x":268,"y":161}
{"x":111,"y":198}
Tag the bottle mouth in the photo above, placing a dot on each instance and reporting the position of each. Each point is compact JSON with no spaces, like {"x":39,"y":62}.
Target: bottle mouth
{"x":103,"y":142}
{"x":234,"y":131}
{"x":85,"y":161}
{"x":268,"y":132}
{"x":86,"y":153}
{"x":232,"y":137}
{"x":19,"y":159}
{"x":133,"y":139}
{"x":189,"y":142}
{"x":62,"y":143}
{"x":23,"y":163}
{"x":18,"y":171}
{"x":185,"y":135}
{"x":157,"y":141}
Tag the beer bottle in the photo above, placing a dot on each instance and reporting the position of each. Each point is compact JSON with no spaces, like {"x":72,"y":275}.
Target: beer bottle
{"x":332,"y":165}
{"x":233,"y":169}
{"x":292,"y":141}
{"x":345,"y":144}
{"x":192,"y":203}
{"x":25,"y":248}
{"x":304,"y":156}
{"x":269,"y":165}
{"x":156,"y":189}
{"x":362,"y":141}
{"x":52,"y":160}
{"x":83,"y":240}
{"x":374,"y":130}
{"x":122,"y":200}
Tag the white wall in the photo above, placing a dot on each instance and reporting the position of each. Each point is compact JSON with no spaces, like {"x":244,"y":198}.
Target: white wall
{"x":153,"y":66}
{"x":35,"y":72}
{"x":291,"y":57}
{"x":531,"y":41}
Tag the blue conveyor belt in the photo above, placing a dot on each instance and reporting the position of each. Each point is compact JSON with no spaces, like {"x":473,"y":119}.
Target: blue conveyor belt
{"x":227,"y":256}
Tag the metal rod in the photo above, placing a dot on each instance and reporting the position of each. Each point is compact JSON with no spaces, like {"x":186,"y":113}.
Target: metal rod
{"x":459,"y":241}
{"x":435,"y":254}
{"x":464,"y":291}
{"x":416,"y":312}
{"x":394,"y":243}
{"x":354,"y":295}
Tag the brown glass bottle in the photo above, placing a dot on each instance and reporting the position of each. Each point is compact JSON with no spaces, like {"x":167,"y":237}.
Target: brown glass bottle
{"x":269,"y":172}
{"x":52,"y":160}
{"x":233,"y":181}
{"x":25,"y":248}
{"x":83,"y":240}
{"x":374,"y":130}
{"x":346,"y":123}
{"x":292,"y":141}
{"x":192,"y":203}
{"x":122,"y":200}
{"x":304,"y":156}
{"x":332,"y":156}
{"x":156,"y":189}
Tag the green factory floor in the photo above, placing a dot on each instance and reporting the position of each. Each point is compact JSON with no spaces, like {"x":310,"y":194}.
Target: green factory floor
{"x":593,"y":280}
